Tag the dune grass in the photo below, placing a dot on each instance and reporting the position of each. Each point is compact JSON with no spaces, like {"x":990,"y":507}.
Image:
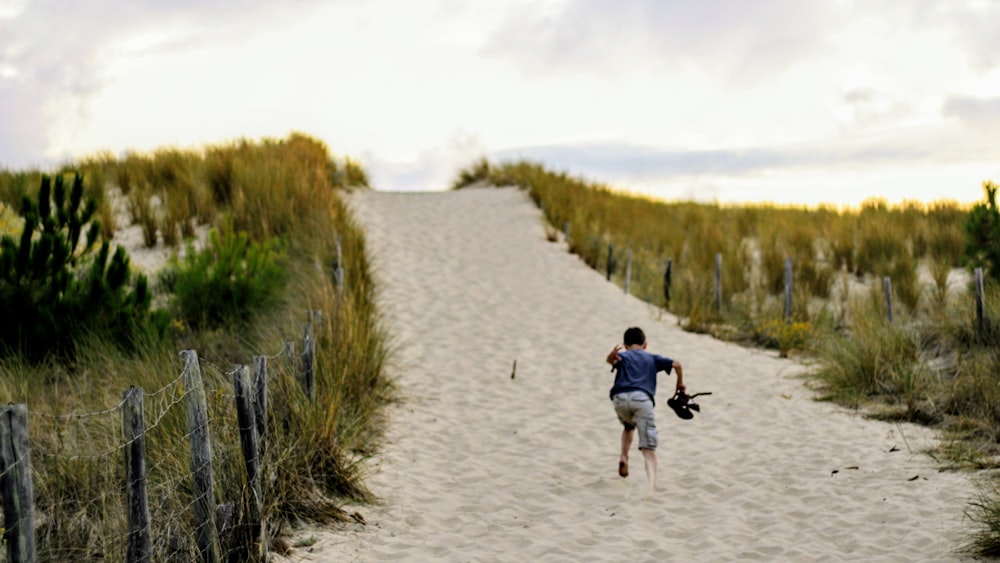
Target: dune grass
{"x":828,"y":247}
{"x":928,"y":365}
{"x":273,"y":191}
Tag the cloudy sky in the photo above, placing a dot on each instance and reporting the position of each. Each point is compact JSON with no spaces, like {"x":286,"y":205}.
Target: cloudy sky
{"x":723,"y":100}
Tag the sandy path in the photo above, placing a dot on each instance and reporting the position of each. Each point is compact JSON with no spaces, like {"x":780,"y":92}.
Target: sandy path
{"x":482,"y":467}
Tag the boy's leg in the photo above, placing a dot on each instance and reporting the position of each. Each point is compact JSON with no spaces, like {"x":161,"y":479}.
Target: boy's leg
{"x":627,"y":434}
{"x":649,"y":459}
{"x":645,"y":420}
{"x":626,"y":416}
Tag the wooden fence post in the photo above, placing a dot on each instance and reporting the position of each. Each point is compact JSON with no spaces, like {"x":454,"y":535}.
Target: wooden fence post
{"x":980,"y":308}
{"x":628,"y":271}
{"x":338,"y":267}
{"x":206,"y":531}
{"x":789,"y":287}
{"x":887,"y":289}
{"x":15,"y":465}
{"x":247,"y":423}
{"x":718,"y":282}
{"x":566,"y":232}
{"x":611,"y":260}
{"x":308,"y":366}
{"x":308,"y":361}
{"x":667,"y":273}
{"x":260,"y":401}
{"x":137,"y":500}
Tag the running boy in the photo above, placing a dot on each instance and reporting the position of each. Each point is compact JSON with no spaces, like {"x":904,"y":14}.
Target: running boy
{"x":632,"y":394}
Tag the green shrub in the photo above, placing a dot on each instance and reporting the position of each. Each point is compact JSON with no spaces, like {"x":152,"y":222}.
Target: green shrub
{"x":983,"y":230}
{"x":227,"y":280}
{"x":56,"y":290}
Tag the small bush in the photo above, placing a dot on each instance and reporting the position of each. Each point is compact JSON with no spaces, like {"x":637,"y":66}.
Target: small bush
{"x":227,"y":280}
{"x":55,"y":290}
{"x":785,"y":336}
{"x":983,"y":230}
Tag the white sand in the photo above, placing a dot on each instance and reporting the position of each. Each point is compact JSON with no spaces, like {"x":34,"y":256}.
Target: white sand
{"x":482,"y":467}
{"x":128,"y":234}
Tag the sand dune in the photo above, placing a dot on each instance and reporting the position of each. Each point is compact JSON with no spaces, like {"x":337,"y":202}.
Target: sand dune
{"x":481,"y":466}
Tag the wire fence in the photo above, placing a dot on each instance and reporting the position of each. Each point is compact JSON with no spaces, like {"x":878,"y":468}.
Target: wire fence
{"x":64,"y":496}
{"x":653,"y":280}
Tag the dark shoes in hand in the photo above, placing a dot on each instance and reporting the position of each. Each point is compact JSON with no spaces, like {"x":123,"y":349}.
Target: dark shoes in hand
{"x":683,"y":405}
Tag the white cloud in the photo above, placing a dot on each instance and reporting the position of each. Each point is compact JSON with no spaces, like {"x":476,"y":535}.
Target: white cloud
{"x":741,"y":41}
{"x":975,"y":112}
{"x":723,"y":95}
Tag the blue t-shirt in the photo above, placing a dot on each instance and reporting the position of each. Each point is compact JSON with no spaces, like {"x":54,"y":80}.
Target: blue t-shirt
{"x":637,"y":371}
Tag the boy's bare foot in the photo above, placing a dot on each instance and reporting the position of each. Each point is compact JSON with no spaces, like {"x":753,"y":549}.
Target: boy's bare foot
{"x":623,"y":468}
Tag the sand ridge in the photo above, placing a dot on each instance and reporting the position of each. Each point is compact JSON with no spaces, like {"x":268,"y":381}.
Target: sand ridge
{"x":480,"y":466}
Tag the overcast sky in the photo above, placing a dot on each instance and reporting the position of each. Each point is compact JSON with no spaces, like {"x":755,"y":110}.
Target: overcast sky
{"x":728,"y":100}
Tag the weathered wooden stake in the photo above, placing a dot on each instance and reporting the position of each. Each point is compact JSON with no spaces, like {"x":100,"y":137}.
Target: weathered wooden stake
{"x":308,"y":360}
{"x":225,"y":517}
{"x":137,"y":500}
{"x":338,"y":267}
{"x":260,"y":401}
{"x":789,"y":287}
{"x":206,"y":531}
{"x":308,"y":373}
{"x":247,"y":423}
{"x":15,"y":465}
{"x":667,"y":274}
{"x":566,"y":232}
{"x":718,"y":282}
{"x":980,"y":308}
{"x":628,"y":270}
{"x":611,"y":260}
{"x":887,"y":289}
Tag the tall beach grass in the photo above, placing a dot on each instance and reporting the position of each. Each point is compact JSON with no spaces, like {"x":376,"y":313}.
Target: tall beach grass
{"x":286,"y":190}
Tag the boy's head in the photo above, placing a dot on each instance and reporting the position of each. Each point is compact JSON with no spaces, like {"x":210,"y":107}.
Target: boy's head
{"x":635,"y":336}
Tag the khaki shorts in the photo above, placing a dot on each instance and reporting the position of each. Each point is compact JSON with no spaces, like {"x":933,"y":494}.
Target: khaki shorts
{"x":635,"y":410}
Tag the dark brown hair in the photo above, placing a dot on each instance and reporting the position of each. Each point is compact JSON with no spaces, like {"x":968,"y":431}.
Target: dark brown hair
{"x":634,"y":335}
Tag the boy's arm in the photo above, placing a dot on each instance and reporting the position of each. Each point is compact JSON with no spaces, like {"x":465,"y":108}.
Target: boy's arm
{"x":613,"y":357}
{"x":680,"y":375}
